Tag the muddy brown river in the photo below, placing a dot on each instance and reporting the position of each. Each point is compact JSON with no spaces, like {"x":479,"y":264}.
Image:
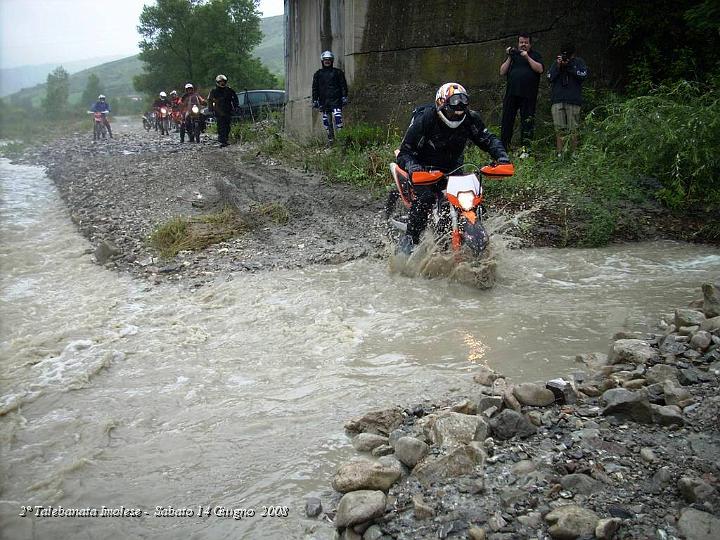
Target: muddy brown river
{"x":213,"y":413}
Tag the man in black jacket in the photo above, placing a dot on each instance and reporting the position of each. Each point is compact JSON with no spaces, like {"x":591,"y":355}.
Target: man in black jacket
{"x":330,"y":94}
{"x":566,"y":76}
{"x":436,"y":138}
{"x":222,"y":101}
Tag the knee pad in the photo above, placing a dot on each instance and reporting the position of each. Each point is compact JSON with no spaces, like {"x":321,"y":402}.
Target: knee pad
{"x":326,"y":120}
{"x":337,"y":118}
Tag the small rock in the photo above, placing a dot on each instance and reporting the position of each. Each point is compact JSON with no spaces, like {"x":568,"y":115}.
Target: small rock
{"x":647,"y":455}
{"x":696,"y":525}
{"x":571,"y":521}
{"x":359,"y":507}
{"x":533,"y":395}
{"x":422,"y":510}
{"x":367,"y":442}
{"x":410,"y":450}
{"x":313,"y":507}
{"x":606,"y":528}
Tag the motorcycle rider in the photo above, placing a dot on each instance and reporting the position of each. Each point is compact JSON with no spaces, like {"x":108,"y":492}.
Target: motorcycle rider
{"x":102,"y":106}
{"x":162,"y":101}
{"x":189,"y":98}
{"x":330,"y":94}
{"x":436,"y":139}
{"x":223,"y":101}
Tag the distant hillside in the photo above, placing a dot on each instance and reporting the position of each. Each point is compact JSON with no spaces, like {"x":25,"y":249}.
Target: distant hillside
{"x":116,"y":77}
{"x":272,"y":48}
{"x":14,"y":79}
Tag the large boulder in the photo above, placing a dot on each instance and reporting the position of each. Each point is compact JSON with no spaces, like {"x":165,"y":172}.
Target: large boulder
{"x":359,"y":507}
{"x":363,"y":474}
{"x":633,"y":351}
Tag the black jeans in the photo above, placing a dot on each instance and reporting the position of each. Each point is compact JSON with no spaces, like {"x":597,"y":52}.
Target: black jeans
{"x":223,"y":127}
{"x":511,"y":105}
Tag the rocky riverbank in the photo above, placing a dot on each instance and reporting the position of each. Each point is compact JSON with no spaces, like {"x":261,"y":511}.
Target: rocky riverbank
{"x":119,"y":191}
{"x":628,"y":449}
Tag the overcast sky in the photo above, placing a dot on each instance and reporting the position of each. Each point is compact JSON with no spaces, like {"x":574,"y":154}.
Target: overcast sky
{"x":57,"y":31}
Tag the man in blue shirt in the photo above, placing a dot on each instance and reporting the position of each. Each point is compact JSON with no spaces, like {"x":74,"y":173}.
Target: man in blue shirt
{"x":102,"y":106}
{"x":522,"y":67}
{"x":566,"y":76}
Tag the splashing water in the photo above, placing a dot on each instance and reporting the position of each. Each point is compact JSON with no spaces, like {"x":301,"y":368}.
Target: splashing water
{"x":431,"y":259}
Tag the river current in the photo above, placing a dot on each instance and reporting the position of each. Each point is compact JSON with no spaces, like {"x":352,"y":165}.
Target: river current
{"x":126,"y":396}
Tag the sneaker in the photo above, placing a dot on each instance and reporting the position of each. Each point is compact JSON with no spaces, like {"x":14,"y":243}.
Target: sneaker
{"x":405,"y":245}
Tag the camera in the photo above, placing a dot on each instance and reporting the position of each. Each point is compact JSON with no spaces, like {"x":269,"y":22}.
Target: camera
{"x":512,"y":51}
{"x":565,"y":57}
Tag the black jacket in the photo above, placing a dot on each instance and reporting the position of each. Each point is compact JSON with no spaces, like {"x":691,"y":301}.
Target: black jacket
{"x":429,"y":142}
{"x":222,"y":100}
{"x":329,"y":87}
{"x":566,"y":84}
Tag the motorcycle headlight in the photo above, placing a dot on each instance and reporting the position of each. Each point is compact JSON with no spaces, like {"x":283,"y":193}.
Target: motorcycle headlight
{"x":195,"y":109}
{"x":466,"y":199}
{"x":163,"y":110}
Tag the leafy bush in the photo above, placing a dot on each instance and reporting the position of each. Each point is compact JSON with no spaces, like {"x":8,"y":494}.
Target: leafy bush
{"x":672,"y":134}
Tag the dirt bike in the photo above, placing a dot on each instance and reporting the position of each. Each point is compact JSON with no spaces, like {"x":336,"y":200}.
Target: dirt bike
{"x":176,"y":118}
{"x":162,"y":120}
{"x":193,"y":124}
{"x":148,"y":120}
{"x":457,"y":214}
{"x":99,"y":129}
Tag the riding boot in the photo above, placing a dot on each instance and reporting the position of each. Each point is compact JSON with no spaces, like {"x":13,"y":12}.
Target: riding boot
{"x":109,"y":132}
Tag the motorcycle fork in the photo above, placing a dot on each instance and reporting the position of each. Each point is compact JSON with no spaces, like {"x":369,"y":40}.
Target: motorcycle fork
{"x":455,"y":235}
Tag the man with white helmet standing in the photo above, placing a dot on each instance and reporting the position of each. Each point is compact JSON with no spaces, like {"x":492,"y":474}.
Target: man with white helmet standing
{"x":436,"y":139}
{"x":329,"y":94}
{"x":222,"y":101}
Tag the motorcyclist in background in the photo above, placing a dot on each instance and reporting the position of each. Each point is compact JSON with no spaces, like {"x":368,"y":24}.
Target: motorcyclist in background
{"x":330,"y":94}
{"x":162,"y":101}
{"x":436,"y":138}
{"x":189,"y":98}
{"x":102,"y":106}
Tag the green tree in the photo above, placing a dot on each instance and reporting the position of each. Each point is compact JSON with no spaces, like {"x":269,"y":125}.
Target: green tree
{"x":676,"y":39}
{"x":194,"y":40}
{"x":57,"y":92}
{"x":92,"y":90}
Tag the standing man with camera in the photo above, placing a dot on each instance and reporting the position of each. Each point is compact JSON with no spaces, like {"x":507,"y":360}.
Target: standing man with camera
{"x":522,"y":67}
{"x":566,"y":76}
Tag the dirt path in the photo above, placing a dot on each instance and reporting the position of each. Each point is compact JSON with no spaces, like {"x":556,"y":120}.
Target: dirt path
{"x":119,"y":191}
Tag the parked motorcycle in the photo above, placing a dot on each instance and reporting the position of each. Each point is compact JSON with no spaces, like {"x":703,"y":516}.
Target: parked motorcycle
{"x":457,"y":215}
{"x":148,"y":120}
{"x":99,"y":129}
